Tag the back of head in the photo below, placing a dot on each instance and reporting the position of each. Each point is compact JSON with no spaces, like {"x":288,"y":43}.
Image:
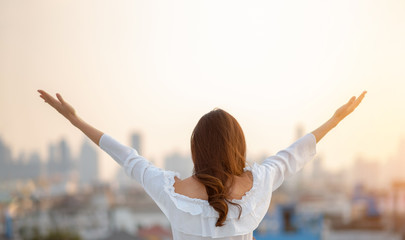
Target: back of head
{"x":218,"y":150}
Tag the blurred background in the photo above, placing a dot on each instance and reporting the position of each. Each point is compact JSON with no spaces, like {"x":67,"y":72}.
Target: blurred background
{"x":145,"y":71}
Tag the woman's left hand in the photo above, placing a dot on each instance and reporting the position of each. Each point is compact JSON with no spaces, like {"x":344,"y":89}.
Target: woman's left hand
{"x":348,"y":108}
{"x":69,"y":112}
{"x":59,"y":105}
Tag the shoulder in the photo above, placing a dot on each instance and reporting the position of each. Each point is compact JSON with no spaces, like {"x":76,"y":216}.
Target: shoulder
{"x":190,"y":187}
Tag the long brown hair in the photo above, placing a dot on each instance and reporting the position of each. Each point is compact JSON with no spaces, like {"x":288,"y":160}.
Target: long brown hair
{"x":218,"y":150}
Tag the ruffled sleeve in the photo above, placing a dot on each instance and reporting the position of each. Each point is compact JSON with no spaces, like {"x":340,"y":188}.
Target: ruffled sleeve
{"x":137,"y":167}
{"x":290,"y":160}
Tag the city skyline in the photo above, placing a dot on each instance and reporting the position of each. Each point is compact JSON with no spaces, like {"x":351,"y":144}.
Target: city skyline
{"x":61,"y":161}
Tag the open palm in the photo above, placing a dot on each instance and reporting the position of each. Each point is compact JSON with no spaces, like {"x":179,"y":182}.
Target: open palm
{"x":59,"y":104}
{"x":349,"y":107}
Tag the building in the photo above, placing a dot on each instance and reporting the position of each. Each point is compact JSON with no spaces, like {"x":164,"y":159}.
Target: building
{"x":179,"y":163}
{"x":88,"y":163}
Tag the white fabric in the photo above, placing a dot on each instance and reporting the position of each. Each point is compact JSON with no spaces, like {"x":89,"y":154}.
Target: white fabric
{"x":194,"y":219}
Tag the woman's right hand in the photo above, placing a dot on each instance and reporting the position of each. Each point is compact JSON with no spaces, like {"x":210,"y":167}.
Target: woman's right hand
{"x":59,"y":105}
{"x":339,"y":115}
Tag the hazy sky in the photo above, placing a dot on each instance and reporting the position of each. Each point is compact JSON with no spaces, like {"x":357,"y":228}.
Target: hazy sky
{"x":156,"y":67}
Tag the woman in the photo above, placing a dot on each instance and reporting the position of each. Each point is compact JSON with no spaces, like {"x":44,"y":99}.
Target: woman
{"x":224,"y":198}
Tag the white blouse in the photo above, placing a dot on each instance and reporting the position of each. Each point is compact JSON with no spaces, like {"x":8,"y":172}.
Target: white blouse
{"x":194,"y":219}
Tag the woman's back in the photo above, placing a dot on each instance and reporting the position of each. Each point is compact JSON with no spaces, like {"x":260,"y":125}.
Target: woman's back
{"x":192,"y":188}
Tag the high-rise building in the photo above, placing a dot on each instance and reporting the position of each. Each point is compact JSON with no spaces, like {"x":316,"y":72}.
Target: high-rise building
{"x":60,"y":160}
{"x":5,"y":161}
{"x":179,"y":163}
{"x":51,"y":168}
{"x":66,"y":161}
{"x":88,"y":163}
{"x":33,"y":167}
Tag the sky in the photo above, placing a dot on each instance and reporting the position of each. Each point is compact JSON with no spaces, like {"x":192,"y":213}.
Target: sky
{"x":155,"y":67}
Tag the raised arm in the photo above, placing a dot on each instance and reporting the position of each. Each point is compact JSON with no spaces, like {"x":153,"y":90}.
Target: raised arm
{"x":69,"y":113}
{"x":339,"y":115}
{"x":290,"y":160}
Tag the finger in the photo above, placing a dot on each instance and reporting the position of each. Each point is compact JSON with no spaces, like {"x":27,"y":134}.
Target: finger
{"x":357,"y":102}
{"x":60,"y":98}
{"x":43,"y":97}
{"x":351,"y":101}
{"x":49,"y":99}
{"x":360,"y":98}
{"x":43,"y":93}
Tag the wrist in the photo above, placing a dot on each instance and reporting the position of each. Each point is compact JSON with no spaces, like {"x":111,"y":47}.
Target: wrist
{"x":74,"y":120}
{"x":333,"y":121}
